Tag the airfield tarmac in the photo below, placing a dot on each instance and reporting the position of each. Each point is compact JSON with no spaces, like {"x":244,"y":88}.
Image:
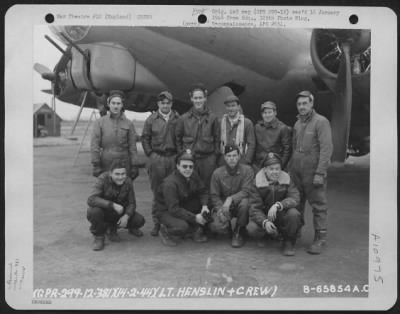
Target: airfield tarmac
{"x":63,"y":257}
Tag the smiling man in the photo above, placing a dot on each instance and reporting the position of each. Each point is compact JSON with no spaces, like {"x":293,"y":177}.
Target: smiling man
{"x":159,"y":145}
{"x":181,"y":201}
{"x":114,"y":137}
{"x":273,"y":200}
{"x":229,"y":192}
{"x":272,"y":135}
{"x":312,"y":150}
{"x":237,"y":130}
{"x":199,"y":130}
{"x":112,"y":205}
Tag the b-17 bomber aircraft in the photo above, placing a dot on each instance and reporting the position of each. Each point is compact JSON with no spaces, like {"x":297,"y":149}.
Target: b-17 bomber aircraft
{"x":255,"y":64}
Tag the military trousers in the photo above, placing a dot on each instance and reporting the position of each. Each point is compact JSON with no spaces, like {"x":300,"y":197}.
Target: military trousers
{"x":179,"y":226}
{"x":238,"y":210}
{"x":288,"y":224}
{"x":159,"y":166}
{"x":101,"y":219}
{"x":302,"y":170}
{"x":205,"y":166}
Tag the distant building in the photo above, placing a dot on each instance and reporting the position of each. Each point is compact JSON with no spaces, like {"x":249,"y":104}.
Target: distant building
{"x":43,"y":121}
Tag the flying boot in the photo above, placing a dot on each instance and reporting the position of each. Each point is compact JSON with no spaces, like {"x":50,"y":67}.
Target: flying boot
{"x":319,"y":242}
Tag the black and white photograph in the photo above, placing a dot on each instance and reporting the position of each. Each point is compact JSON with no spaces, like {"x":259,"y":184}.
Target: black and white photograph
{"x":215,"y":157}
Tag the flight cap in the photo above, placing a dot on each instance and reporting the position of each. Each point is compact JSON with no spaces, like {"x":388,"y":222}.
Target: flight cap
{"x":165,"y":94}
{"x":271,"y":159}
{"x":231,"y":148}
{"x":305,"y":93}
{"x":231,"y":98}
{"x":116,"y":93}
{"x":185,"y":155}
{"x":268,"y":105}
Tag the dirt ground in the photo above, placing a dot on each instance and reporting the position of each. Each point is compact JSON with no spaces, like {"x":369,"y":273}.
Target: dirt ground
{"x":63,"y":257}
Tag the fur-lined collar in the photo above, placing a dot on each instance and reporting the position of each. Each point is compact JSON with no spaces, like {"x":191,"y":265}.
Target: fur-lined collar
{"x":262,"y":181}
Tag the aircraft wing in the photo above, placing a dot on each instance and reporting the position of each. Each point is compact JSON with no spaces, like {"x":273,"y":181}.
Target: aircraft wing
{"x":254,"y":64}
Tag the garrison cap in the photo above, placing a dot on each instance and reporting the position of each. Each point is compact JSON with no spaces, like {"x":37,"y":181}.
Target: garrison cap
{"x":231,"y":148}
{"x":116,"y":93}
{"x":198,"y":86}
{"x":268,"y":105}
{"x":305,"y":93}
{"x":118,"y":164}
{"x":165,"y":94}
{"x":185,"y":155}
{"x":231,"y":98}
{"x":271,"y":159}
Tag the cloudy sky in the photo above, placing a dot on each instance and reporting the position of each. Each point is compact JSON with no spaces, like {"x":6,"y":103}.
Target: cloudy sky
{"x":46,"y":54}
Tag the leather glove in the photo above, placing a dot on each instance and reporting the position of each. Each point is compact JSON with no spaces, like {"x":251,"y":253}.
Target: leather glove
{"x":318,"y":180}
{"x":134,"y":173}
{"x":97,"y":171}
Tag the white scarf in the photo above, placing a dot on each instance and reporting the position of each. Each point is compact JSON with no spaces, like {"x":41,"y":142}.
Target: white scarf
{"x":165,"y":116}
{"x":239,"y":133}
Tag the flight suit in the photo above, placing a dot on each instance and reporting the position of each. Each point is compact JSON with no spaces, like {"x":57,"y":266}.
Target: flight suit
{"x":272,"y":137}
{"x":312,"y":150}
{"x":200,"y":132}
{"x":235,"y":183}
{"x":178,"y":200}
{"x":249,"y":141}
{"x":263,"y":195}
{"x":101,"y":213}
{"x":113,"y":137}
{"x":159,"y":144}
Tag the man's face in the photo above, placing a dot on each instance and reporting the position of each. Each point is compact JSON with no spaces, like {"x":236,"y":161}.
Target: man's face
{"x":115,"y":105}
{"x":304,"y":105}
{"x":268,"y":115}
{"x":118,"y":175}
{"x":232,"y":108}
{"x":198,"y":99}
{"x":272,"y":172}
{"x":232,"y":158}
{"x":164,"y":105}
{"x":185,"y":167}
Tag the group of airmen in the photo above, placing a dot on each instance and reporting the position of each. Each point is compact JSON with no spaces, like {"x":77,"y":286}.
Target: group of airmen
{"x":212,"y":176}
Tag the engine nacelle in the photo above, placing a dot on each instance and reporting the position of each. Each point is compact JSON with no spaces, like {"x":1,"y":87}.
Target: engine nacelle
{"x":107,"y":66}
{"x":326,"y":52}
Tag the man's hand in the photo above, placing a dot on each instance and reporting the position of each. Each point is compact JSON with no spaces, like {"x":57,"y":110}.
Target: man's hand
{"x":200,"y":219}
{"x":227,"y":205}
{"x":123,"y":221}
{"x":270,"y":227}
{"x":272,"y":212}
{"x":97,"y":171}
{"x":134,"y":172}
{"x":318,"y":180}
{"x":118,"y":208}
{"x":204,"y":209}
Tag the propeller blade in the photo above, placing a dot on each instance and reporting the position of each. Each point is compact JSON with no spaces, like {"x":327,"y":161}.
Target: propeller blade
{"x":41,"y":69}
{"x":341,"y":111}
{"x":47,"y":91}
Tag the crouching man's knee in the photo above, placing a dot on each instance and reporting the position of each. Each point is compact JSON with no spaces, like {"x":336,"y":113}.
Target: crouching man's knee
{"x":216,"y":226}
{"x":293,"y":216}
{"x":178,"y":228}
{"x":254,"y":230}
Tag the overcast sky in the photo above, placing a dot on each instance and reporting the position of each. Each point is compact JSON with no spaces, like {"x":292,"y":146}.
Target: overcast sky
{"x":46,"y":54}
